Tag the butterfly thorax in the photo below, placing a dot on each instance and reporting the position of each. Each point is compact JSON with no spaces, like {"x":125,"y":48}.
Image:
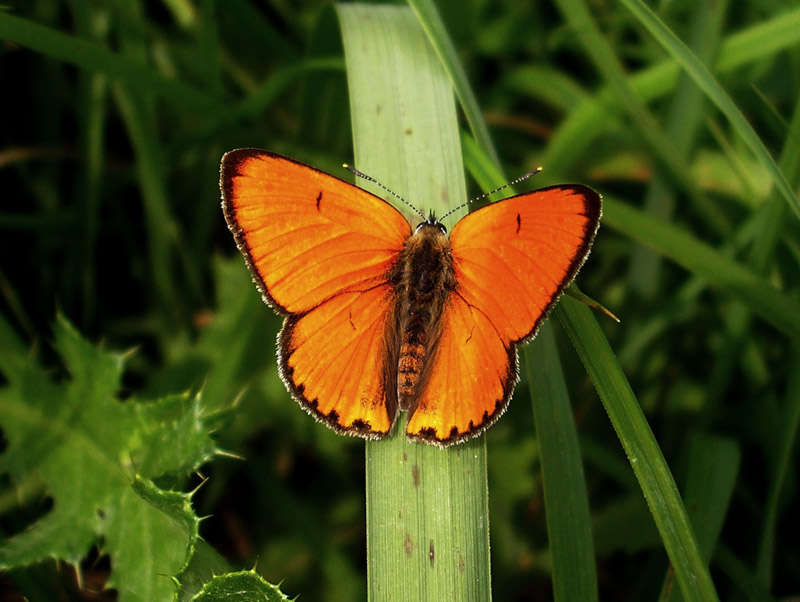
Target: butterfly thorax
{"x":423,"y":280}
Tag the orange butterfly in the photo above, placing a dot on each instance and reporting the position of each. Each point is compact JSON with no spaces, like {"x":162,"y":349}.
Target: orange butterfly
{"x":380,"y":318}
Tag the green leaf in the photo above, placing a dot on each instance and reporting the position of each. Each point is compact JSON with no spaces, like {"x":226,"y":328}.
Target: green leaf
{"x":205,"y":565}
{"x":434,"y":28}
{"x":171,"y":436}
{"x":569,"y":525}
{"x":86,"y":447}
{"x":150,"y":535}
{"x":646,"y":458}
{"x":244,"y":586}
{"x":427,"y":514}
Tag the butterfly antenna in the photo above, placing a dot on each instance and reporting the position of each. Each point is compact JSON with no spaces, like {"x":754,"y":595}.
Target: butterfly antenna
{"x":522,"y":178}
{"x":392,"y":192}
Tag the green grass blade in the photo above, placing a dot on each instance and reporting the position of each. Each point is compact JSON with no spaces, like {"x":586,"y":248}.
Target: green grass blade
{"x":162,"y":228}
{"x":713,"y":471}
{"x":13,"y":352}
{"x":569,"y":525}
{"x":208,"y":57}
{"x":583,"y":125}
{"x":605,"y":60}
{"x":96,"y":90}
{"x":706,"y":81}
{"x":761,"y":258}
{"x":546,"y":84}
{"x":775,"y":307}
{"x":742,"y":576}
{"x":640,"y":446}
{"x":781,"y":475}
{"x":759,"y":40}
{"x":427,"y":511}
{"x":487,"y":174}
{"x":686,"y":114}
{"x":432,"y":23}
{"x":774,"y":225}
{"x":86,"y":55}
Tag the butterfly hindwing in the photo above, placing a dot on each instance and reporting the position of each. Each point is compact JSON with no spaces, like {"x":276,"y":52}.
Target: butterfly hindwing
{"x":469,"y":381}
{"x":332,"y":359}
{"x":512,"y":259}
{"x":319,"y":250}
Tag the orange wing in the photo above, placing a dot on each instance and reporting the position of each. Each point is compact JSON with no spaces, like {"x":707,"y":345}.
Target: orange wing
{"x":320,"y":249}
{"x":512,"y":260}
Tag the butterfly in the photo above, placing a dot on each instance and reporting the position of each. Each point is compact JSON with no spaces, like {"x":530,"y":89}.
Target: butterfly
{"x":381,"y":317}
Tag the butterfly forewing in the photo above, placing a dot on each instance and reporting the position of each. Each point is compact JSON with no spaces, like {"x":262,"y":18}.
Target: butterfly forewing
{"x":306,"y":235}
{"x":319,"y":250}
{"x":513,"y":258}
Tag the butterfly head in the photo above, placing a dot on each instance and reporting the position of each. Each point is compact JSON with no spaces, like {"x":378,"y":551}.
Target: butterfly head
{"x":431,"y":222}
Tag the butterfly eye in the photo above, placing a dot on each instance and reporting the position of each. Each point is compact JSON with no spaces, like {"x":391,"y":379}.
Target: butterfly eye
{"x":431,"y":222}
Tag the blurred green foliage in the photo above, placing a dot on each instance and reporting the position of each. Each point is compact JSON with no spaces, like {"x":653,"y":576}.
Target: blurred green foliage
{"x":115,"y":117}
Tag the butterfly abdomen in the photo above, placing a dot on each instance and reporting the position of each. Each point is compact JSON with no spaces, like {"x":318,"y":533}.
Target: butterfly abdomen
{"x":424,"y":281}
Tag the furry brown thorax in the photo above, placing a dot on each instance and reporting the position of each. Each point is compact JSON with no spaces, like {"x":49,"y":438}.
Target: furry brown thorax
{"x":424,"y":278}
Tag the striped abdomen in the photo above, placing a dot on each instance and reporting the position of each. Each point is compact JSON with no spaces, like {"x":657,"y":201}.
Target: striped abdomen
{"x":425,"y":280}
